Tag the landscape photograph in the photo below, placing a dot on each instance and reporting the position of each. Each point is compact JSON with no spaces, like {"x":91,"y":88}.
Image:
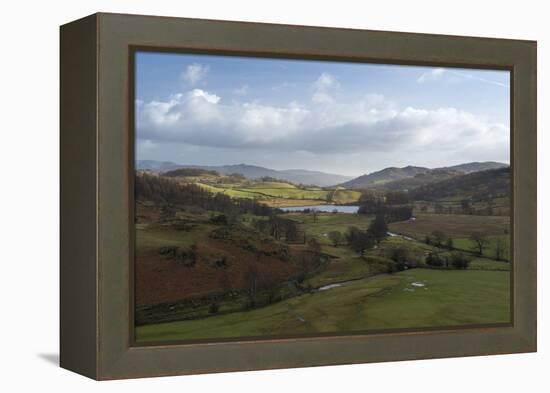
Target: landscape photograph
{"x":285,"y":198}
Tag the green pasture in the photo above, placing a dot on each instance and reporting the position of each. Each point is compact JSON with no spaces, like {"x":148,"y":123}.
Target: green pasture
{"x":415,"y":298}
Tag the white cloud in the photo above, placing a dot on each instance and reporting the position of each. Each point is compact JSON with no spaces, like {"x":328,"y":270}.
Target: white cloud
{"x":370,"y":125}
{"x":431,"y":75}
{"x":326,"y":81}
{"x":195,"y":73}
{"x":211,"y":98}
{"x":322,"y":88}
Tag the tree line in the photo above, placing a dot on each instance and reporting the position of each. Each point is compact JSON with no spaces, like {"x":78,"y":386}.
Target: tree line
{"x":165,"y":190}
{"x":390,"y":206}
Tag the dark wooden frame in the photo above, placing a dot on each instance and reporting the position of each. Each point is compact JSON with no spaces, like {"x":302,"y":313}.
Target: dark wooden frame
{"x":97,"y":194}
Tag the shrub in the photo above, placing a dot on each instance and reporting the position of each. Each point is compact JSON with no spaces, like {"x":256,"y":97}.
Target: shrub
{"x":434,"y":259}
{"x":214,"y":308}
{"x":400,"y":255}
{"x":459,"y":260}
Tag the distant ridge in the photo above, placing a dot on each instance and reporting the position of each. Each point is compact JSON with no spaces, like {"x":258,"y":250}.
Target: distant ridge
{"x":384,"y":176}
{"x":392,"y":178}
{"x":471,"y":167}
{"x":490,"y":183}
{"x":298,"y":176}
{"x":411,"y":176}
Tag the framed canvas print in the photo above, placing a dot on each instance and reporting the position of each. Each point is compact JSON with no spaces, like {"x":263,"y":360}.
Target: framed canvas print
{"x":241,"y":196}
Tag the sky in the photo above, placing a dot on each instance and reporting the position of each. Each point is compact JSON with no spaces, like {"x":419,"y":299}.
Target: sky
{"x":336,"y":117}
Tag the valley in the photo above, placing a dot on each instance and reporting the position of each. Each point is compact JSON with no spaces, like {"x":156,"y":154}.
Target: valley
{"x":228,"y":255}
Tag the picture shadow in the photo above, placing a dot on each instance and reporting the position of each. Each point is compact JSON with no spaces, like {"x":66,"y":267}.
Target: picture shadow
{"x":52,"y":358}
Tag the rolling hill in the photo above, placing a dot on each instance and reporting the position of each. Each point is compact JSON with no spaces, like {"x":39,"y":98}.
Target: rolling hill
{"x":480,"y":185}
{"x":421,"y":179}
{"x":471,"y":167}
{"x":298,"y":176}
{"x":384,"y":176}
{"x":410,"y":177}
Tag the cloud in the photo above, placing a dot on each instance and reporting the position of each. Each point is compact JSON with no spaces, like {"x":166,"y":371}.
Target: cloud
{"x":371,"y":124}
{"x":195,"y":73}
{"x":322,"y":88}
{"x":211,"y":98}
{"x":326,"y":81}
{"x":431,"y":75}
{"x":438,"y":73}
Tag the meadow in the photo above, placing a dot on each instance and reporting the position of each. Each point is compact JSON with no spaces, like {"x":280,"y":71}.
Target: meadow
{"x":279,"y":194}
{"x":411,"y":299}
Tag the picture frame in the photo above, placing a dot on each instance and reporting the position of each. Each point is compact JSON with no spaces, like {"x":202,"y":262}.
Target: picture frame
{"x":97,"y":217}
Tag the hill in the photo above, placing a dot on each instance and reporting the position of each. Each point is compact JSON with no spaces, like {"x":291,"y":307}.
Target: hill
{"x":481,"y":185}
{"x":471,"y":167}
{"x":421,"y":179}
{"x":298,"y":176}
{"x":410,"y":177}
{"x":384,"y":176}
{"x":156,"y":166}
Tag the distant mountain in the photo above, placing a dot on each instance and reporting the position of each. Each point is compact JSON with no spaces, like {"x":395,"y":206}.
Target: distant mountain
{"x":477,"y":166}
{"x":156,"y":166}
{"x":303,"y":176}
{"x":476,"y":185}
{"x":313,"y":177}
{"x":410,"y":177}
{"x":421,"y":179}
{"x":376,"y":179}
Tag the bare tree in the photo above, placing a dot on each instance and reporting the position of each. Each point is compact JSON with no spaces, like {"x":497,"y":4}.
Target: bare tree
{"x":481,"y":241}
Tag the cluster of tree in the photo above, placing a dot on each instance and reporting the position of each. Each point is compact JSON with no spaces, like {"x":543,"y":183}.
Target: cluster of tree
{"x":279,"y":228}
{"x":485,"y":208}
{"x":402,"y":257}
{"x":370,"y":203}
{"x":360,"y":240}
{"x":482,"y":241}
{"x":164,"y":190}
{"x":440,"y":239}
{"x":270,"y":179}
{"x":390,"y":213}
{"x":459,"y":260}
{"x":398,"y":213}
{"x":456,"y":260}
{"x":232,"y":178}
{"x":397,"y":198}
{"x":186,"y":257}
{"x":391,"y":206}
{"x":190,"y":172}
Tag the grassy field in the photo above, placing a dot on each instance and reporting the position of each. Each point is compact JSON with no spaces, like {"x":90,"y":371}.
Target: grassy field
{"x":455,"y":225}
{"x":320,"y":225}
{"x":411,"y":299}
{"x":284,"y":194}
{"x":488,"y":264}
{"x":489,"y":251}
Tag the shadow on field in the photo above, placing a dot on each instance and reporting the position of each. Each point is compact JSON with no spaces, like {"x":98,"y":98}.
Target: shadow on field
{"x":52,"y":358}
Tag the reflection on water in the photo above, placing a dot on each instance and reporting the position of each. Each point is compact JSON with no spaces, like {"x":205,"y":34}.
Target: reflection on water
{"x":323,"y":208}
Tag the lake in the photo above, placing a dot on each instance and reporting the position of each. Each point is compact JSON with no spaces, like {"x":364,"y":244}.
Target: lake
{"x":323,"y":208}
